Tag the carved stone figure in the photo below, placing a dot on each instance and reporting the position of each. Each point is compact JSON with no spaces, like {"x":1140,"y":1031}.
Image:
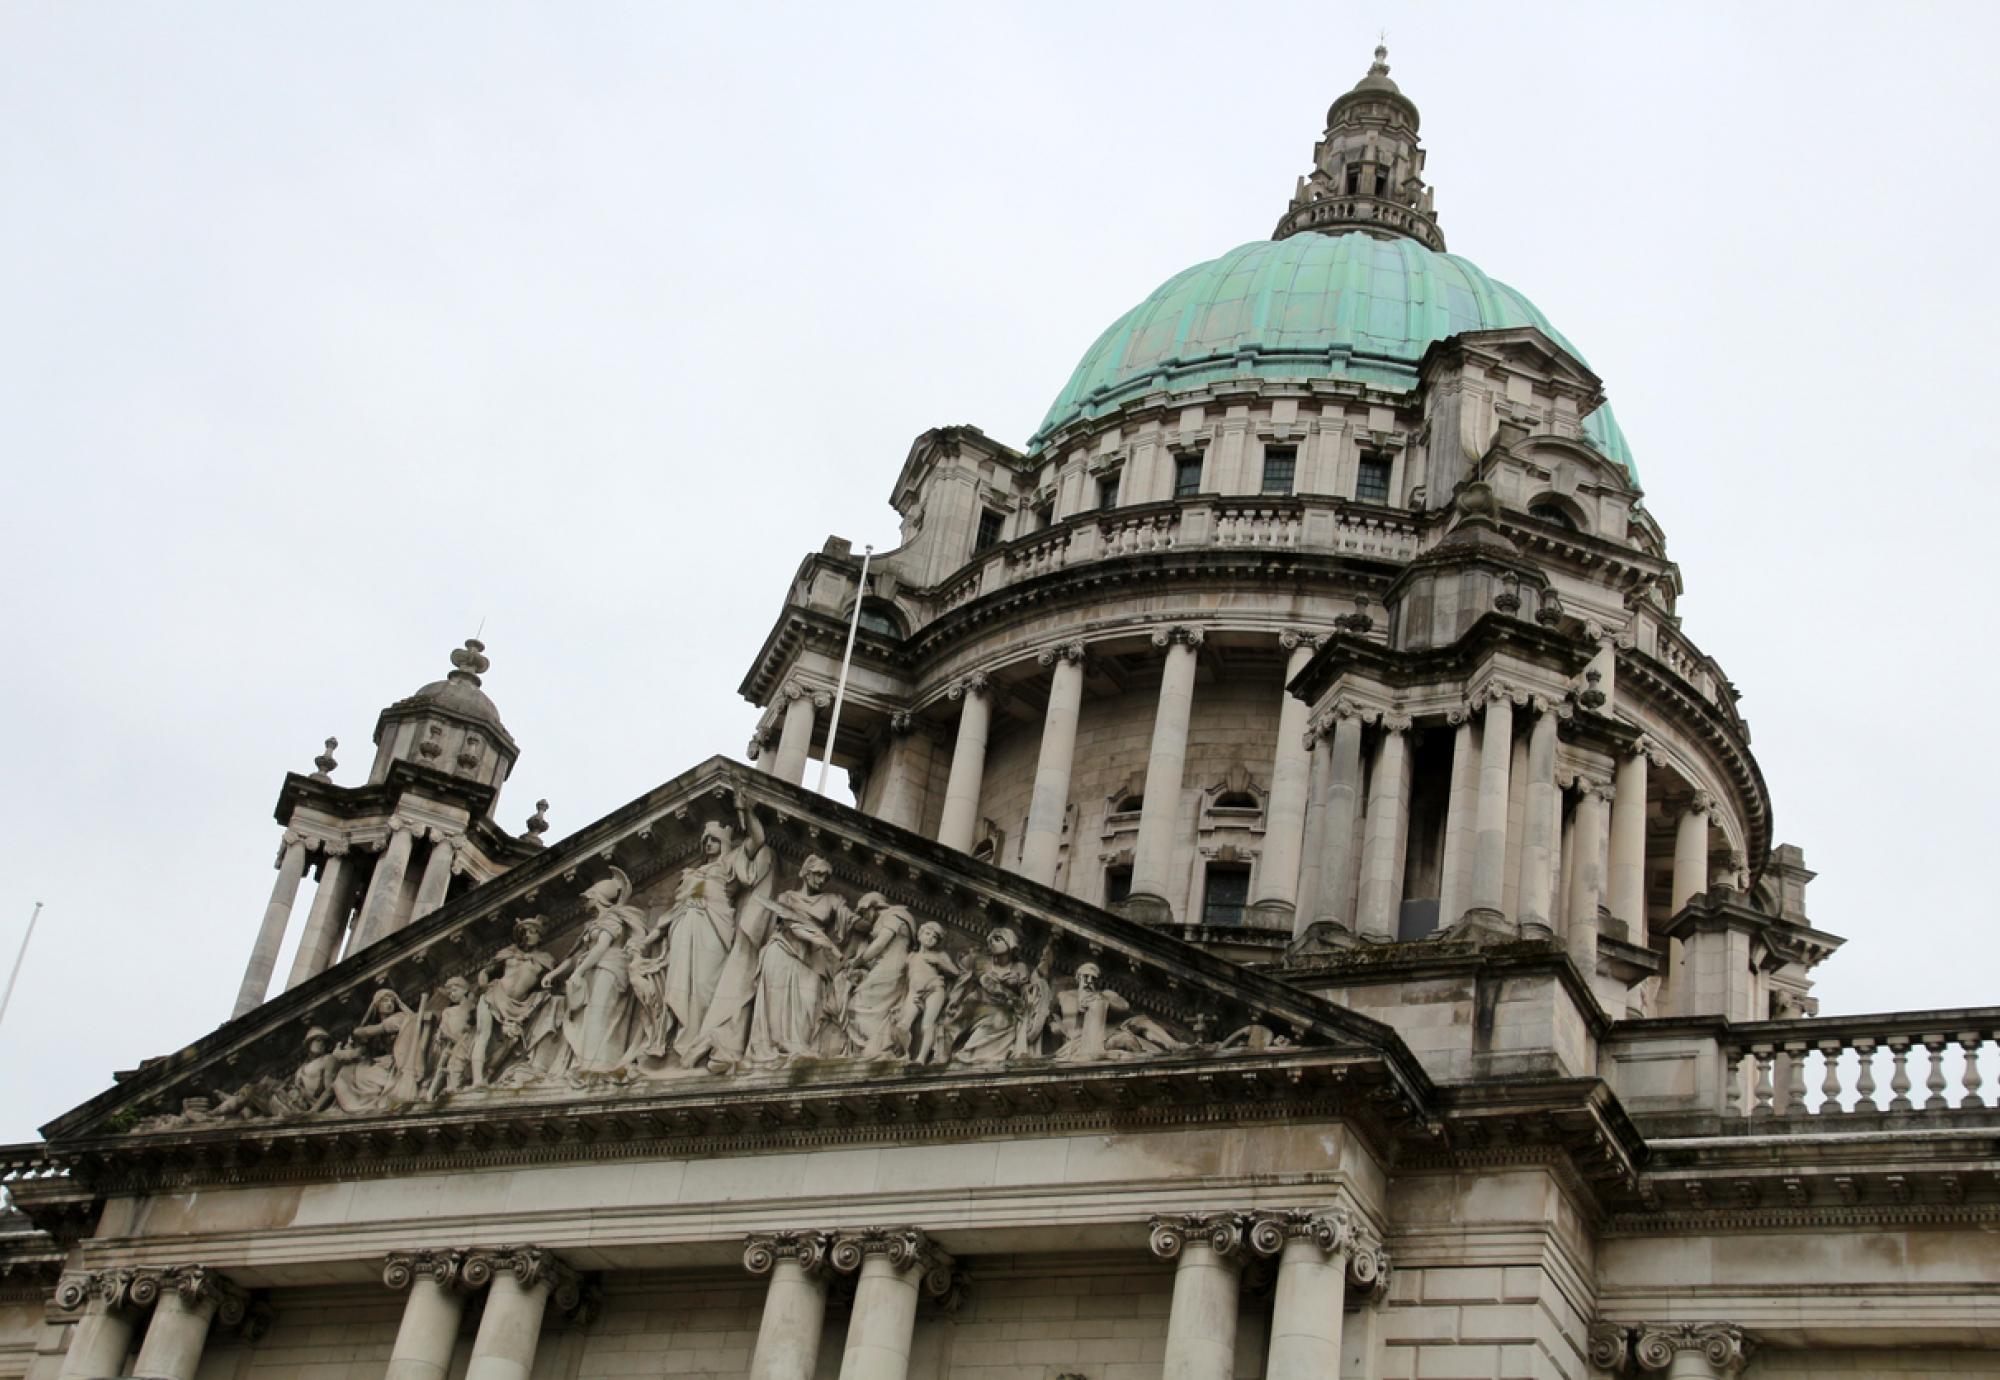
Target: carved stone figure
{"x":876,"y":976}
{"x":311,"y":1086}
{"x":795,"y":969}
{"x":514,"y":1004}
{"x":1253,"y":1039}
{"x":999,"y":1006}
{"x":677,"y":965}
{"x":394,"y":1074}
{"x":924,"y":991}
{"x":451,"y":1060}
{"x":597,"y":981}
{"x":1083,"y":1016}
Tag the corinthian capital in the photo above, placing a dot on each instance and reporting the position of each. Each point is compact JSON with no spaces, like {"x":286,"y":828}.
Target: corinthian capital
{"x":1723,"y":1346}
{"x":905,"y":1248}
{"x":1184,"y":633}
{"x":401,"y":1269}
{"x":530,"y":1266}
{"x":1071,"y":652}
{"x":763,"y":1250}
{"x":1221,"y":1232}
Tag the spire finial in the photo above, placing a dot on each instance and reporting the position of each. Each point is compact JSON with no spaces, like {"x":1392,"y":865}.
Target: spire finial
{"x":1381,"y":65}
{"x":325,"y":761}
{"x":538,"y":824}
{"x":469,"y":662}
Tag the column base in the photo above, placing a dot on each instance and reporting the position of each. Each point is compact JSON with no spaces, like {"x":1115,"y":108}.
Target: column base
{"x":1323,"y":937}
{"x":1481,"y":925}
{"x":1147,"y":910}
{"x":1272,"y":915}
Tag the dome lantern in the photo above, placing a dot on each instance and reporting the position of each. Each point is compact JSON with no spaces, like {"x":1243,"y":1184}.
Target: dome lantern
{"x":1367,"y":168}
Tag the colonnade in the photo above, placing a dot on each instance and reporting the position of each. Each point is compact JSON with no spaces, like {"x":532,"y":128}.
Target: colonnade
{"x":185,"y":1300}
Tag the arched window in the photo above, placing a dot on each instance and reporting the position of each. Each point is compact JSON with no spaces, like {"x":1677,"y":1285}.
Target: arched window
{"x":878,"y":616}
{"x":1235,"y":800}
{"x":1552,"y":512}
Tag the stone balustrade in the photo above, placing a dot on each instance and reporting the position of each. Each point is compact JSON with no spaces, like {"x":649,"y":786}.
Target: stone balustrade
{"x":1903,"y":1062}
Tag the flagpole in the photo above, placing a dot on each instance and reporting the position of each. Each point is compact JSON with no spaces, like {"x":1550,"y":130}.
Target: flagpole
{"x":19,"y":958}
{"x":846,"y":660}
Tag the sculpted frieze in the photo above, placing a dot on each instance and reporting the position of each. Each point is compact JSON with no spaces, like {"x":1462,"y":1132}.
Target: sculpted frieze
{"x":723,"y":969}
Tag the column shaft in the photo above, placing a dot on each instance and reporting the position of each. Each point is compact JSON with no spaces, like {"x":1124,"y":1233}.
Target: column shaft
{"x":883,"y":1322}
{"x":509,"y":1330}
{"x":795,"y":738}
{"x":1343,"y":804}
{"x":175,"y":1337}
{"x":1540,"y":806}
{"x":1285,"y":810}
{"x":1384,"y":835}
{"x":1312,"y":866}
{"x":100,"y":1344}
{"x":1628,"y":848}
{"x":1041,"y":848}
{"x":1201,"y":1323}
{"x":271,"y":934}
{"x":332,"y":900}
{"x":789,"y":1334}
{"x":1460,"y":824}
{"x":899,"y":802}
{"x":385,"y":892}
{"x":429,"y":1332}
{"x":1690,"y":857}
{"x":1166,"y":765}
{"x":1586,"y":879}
{"x":1489,"y":849}
{"x":968,"y":770}
{"x":1306,"y":1314}
{"x":436,"y":881}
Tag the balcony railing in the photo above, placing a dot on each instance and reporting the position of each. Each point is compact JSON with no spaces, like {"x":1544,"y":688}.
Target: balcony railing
{"x":1825,"y":1067}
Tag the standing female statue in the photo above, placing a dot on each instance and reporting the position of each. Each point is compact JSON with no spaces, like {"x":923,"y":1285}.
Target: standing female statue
{"x":795,"y":968}
{"x":674,"y":979}
{"x":597,"y":994}
{"x":877,"y":976}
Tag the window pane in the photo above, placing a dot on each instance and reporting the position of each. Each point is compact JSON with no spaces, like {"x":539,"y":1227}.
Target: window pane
{"x":1227,"y":893}
{"x":1187,"y":476}
{"x":1107,"y":491}
{"x":1280,"y":465}
{"x":1117,"y":885}
{"x":1372,"y":485}
{"x":989,"y":530}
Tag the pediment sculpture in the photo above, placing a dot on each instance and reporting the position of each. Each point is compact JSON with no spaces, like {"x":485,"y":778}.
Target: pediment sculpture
{"x":727,"y":974}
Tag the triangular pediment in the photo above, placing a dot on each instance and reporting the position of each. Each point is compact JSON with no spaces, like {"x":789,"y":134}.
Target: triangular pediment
{"x":693,"y":969}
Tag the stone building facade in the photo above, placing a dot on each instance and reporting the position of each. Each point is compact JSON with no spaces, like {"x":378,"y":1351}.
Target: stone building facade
{"x":1311,"y":911}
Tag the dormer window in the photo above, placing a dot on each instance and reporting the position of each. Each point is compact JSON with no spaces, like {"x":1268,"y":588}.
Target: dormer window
{"x":1107,"y":491}
{"x":1281,"y":464}
{"x":1187,"y":476}
{"x":1371,"y":480}
{"x":1553,"y":513}
{"x":988,"y":535}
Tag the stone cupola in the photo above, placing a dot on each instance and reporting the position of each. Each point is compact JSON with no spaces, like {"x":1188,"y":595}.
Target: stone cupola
{"x":449,"y":725}
{"x":1368,"y":169}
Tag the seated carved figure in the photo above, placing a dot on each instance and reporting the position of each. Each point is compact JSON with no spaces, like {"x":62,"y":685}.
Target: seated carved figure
{"x":999,"y":1007}
{"x":1084,"y":1015}
{"x":394,"y":1074}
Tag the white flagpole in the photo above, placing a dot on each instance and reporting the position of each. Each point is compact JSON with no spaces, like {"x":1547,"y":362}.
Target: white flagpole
{"x":19,"y":958}
{"x":846,"y":660}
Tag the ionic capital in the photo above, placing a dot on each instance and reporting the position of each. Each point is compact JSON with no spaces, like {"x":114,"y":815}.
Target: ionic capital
{"x":1496,"y":692}
{"x":1330,"y":1229}
{"x":808,"y":1249}
{"x":902,"y":723}
{"x":1394,"y":722}
{"x":530,"y":1266}
{"x":446,"y":1269}
{"x":1367,"y":1264}
{"x":1293,"y":638}
{"x":796,"y":689}
{"x":1643,"y":746}
{"x":907,"y":1249}
{"x":196,"y":1285}
{"x":1590,"y":788}
{"x":973,"y":684}
{"x":1723,"y":1345}
{"x":1345,"y":708}
{"x":1186,"y":634}
{"x":1221,"y":1232}
{"x":1071,"y":652}
{"x":1610,"y":1346}
{"x":1702,"y":803}
{"x":112,"y":1288}
{"x":758,"y":742}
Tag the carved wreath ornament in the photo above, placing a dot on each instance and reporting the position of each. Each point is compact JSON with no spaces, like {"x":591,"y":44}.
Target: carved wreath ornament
{"x":720,"y":971}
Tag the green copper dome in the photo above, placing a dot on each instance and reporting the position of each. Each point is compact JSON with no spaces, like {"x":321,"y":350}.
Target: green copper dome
{"x":1310,"y":306}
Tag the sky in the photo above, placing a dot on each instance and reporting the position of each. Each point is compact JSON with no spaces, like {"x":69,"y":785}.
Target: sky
{"x":332,"y":333}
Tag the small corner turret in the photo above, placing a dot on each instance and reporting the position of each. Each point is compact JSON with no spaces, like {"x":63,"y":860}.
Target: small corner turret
{"x":1368,"y":169}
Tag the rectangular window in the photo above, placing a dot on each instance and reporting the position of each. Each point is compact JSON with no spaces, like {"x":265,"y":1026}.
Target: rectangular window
{"x":1045,"y":517}
{"x":1353,"y":178}
{"x":1227,"y":893}
{"x":1381,"y":182}
{"x":1107,"y":491}
{"x":1187,"y":476}
{"x":1117,"y":885}
{"x":989,"y":530}
{"x":1281,"y":464}
{"x":1371,"y":484}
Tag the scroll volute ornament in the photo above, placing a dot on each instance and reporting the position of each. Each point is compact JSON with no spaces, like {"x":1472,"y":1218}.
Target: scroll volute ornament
{"x":401,"y":1269}
{"x":1610,"y":1346}
{"x":763,"y":1250}
{"x":1723,"y":1345}
{"x":1221,"y":1232}
{"x":530,"y":1266}
{"x":906,"y":1248}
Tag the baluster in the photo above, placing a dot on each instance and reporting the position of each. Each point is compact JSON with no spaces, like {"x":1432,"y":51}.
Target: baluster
{"x":1864,"y":1084}
{"x":1899,"y":1073}
{"x":1765,"y":1061}
{"x":1795,"y":1078}
{"x":1732,"y":1085}
{"x":1829,"y":1083}
{"x":1968,"y":1078}
{"x":1936,"y":1102}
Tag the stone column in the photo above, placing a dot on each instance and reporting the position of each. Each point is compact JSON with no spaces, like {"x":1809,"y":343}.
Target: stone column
{"x":1488,"y":890}
{"x":1207,"y":1251}
{"x":1312,"y":867}
{"x":1319,"y":1255}
{"x":332,"y":900}
{"x":185,"y":1299}
{"x":522,"y":1280}
{"x":803,"y":704}
{"x":1540,"y":824}
{"x":1628,"y":845}
{"x":1691,"y":852}
{"x":385,"y":889}
{"x":1692,"y":1351}
{"x":891,"y":1267}
{"x":1460,"y":825}
{"x":794,"y":1304}
{"x":1586,"y":877}
{"x":436,"y":879}
{"x":1277,"y":891}
{"x":900,"y":803}
{"x":1385,"y":832}
{"x":1166,"y":766}
{"x":1343,"y":805}
{"x":968,"y":762}
{"x":1049,"y":801}
{"x":103,"y":1336}
{"x":429,"y":1330}
{"x":271,"y":934}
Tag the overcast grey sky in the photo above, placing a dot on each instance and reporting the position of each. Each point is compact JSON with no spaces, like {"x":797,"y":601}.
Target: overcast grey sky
{"x":328,"y":331}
